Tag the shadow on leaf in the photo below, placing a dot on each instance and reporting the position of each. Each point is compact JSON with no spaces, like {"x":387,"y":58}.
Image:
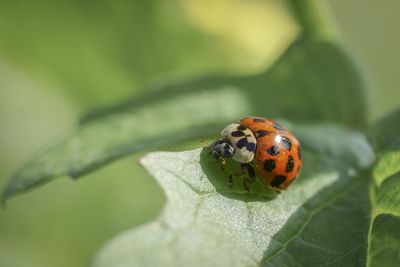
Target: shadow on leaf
{"x":219,"y":178}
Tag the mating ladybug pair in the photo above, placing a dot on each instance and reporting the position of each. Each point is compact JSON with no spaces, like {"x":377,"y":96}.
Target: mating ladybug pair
{"x":263,"y":148}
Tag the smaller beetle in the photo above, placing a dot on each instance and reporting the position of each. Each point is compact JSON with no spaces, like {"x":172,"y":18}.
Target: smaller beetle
{"x":264,"y":149}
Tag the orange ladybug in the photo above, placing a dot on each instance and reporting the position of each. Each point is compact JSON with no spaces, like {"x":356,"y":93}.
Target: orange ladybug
{"x":264,"y":149}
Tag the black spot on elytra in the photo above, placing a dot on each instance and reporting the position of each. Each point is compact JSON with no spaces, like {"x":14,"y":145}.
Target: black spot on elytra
{"x":269,"y":165}
{"x":299,"y":152}
{"x":261,"y":133}
{"x":258,"y":120}
{"x":290,"y":164}
{"x":278,"y":180}
{"x":238,"y":133}
{"x":251,"y":147}
{"x":241,"y":128}
{"x":286,"y":143}
{"x":278,"y":126}
{"x":273,"y":150}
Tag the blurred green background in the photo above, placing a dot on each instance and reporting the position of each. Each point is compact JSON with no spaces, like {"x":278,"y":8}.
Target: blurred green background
{"x":59,"y":59}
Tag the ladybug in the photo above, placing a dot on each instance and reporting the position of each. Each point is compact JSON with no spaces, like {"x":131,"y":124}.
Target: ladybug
{"x":264,"y":149}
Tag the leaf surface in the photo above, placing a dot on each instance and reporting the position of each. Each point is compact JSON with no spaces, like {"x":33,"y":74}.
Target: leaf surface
{"x":321,"y":220}
{"x":311,"y":82}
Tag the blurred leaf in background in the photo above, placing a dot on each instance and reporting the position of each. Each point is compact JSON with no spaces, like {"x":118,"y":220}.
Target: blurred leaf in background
{"x":101,"y":51}
{"x":368,"y":29}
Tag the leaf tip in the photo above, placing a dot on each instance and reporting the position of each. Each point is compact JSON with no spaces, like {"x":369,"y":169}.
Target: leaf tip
{"x":144,"y":161}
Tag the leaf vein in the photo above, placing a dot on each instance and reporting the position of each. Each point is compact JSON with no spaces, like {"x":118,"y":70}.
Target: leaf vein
{"x":308,"y":220}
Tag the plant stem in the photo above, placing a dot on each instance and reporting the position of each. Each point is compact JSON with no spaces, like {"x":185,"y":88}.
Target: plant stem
{"x":311,"y":17}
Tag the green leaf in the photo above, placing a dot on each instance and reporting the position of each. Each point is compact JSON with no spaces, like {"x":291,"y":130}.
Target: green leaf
{"x":384,"y":238}
{"x":385,"y":133}
{"x":312,"y":81}
{"x":321,"y":220}
{"x":384,"y":241}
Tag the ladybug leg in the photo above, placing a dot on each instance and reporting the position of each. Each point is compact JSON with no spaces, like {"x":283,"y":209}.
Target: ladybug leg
{"x":241,"y":173}
{"x":251,"y":173}
{"x":246,"y":186}
{"x":250,"y":178}
{"x":230,"y":178}
{"x":223,"y":163}
{"x":219,"y":159}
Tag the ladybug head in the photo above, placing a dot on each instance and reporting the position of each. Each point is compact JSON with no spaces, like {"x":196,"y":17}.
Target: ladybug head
{"x":222,"y":148}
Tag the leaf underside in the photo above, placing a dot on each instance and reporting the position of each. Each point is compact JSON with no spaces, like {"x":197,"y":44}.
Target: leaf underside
{"x":311,"y":82}
{"x":321,"y":220}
